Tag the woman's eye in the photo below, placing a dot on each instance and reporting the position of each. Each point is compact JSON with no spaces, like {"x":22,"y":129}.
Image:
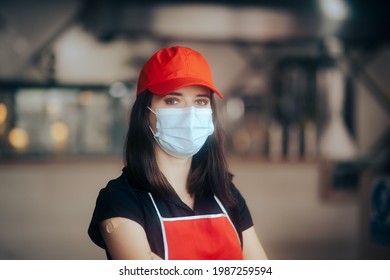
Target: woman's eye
{"x":171,"y":101}
{"x":202,"y":102}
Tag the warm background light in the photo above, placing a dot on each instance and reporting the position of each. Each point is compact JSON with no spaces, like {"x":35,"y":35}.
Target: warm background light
{"x":59,"y":132}
{"x":18,"y":138}
{"x":3,"y":113}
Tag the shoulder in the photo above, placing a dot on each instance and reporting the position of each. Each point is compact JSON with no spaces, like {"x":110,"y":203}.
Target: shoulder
{"x":118,"y":191}
{"x":118,"y":185}
{"x":238,"y":198}
{"x":240,"y":211}
{"x":120,"y":199}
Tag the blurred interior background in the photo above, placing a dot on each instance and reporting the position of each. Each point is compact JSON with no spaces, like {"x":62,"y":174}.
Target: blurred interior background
{"x":306,"y":116}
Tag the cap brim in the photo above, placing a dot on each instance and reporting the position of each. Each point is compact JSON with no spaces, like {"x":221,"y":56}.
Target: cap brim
{"x":174,"y":84}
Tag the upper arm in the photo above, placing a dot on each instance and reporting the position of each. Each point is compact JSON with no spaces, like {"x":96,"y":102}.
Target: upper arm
{"x":125,"y":239}
{"x":252,"y":248}
{"x":119,"y":204}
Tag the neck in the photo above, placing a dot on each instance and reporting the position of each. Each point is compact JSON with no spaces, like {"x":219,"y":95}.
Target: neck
{"x":174,"y":169}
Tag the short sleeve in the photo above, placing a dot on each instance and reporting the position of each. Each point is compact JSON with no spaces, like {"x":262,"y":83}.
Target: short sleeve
{"x":117,"y":199}
{"x":243,"y":214}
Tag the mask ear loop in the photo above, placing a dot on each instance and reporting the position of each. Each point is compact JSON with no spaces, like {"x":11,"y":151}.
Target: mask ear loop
{"x":150,"y":109}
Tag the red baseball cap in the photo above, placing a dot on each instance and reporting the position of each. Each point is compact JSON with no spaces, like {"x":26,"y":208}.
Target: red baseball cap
{"x":172,"y":68}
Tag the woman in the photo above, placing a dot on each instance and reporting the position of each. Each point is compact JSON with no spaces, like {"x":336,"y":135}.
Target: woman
{"x":175,"y":198}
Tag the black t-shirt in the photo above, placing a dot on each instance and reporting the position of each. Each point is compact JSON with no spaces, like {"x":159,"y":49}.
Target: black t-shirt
{"x":119,"y":199}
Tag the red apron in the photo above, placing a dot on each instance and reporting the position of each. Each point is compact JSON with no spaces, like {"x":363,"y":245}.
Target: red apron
{"x":201,"y":237}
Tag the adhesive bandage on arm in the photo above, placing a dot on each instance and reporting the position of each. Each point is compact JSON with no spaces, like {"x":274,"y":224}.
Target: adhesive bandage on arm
{"x":125,"y":239}
{"x":112,"y":224}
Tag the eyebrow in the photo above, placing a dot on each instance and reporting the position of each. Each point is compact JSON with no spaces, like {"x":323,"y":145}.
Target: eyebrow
{"x":198,"y":95}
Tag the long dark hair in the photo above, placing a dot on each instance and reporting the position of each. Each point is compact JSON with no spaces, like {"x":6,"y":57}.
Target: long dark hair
{"x":209,"y":172}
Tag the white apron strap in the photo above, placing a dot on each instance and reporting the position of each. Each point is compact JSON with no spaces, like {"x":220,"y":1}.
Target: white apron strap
{"x":227,"y":215}
{"x":162,"y":227}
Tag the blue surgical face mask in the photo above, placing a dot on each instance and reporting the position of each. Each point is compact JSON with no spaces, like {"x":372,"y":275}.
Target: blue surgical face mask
{"x":181,"y":132}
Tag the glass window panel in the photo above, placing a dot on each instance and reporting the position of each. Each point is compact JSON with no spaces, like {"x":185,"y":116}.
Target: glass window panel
{"x":45,"y":122}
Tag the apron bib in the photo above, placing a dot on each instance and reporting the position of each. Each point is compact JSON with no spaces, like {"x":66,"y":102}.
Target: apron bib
{"x":201,"y":237}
